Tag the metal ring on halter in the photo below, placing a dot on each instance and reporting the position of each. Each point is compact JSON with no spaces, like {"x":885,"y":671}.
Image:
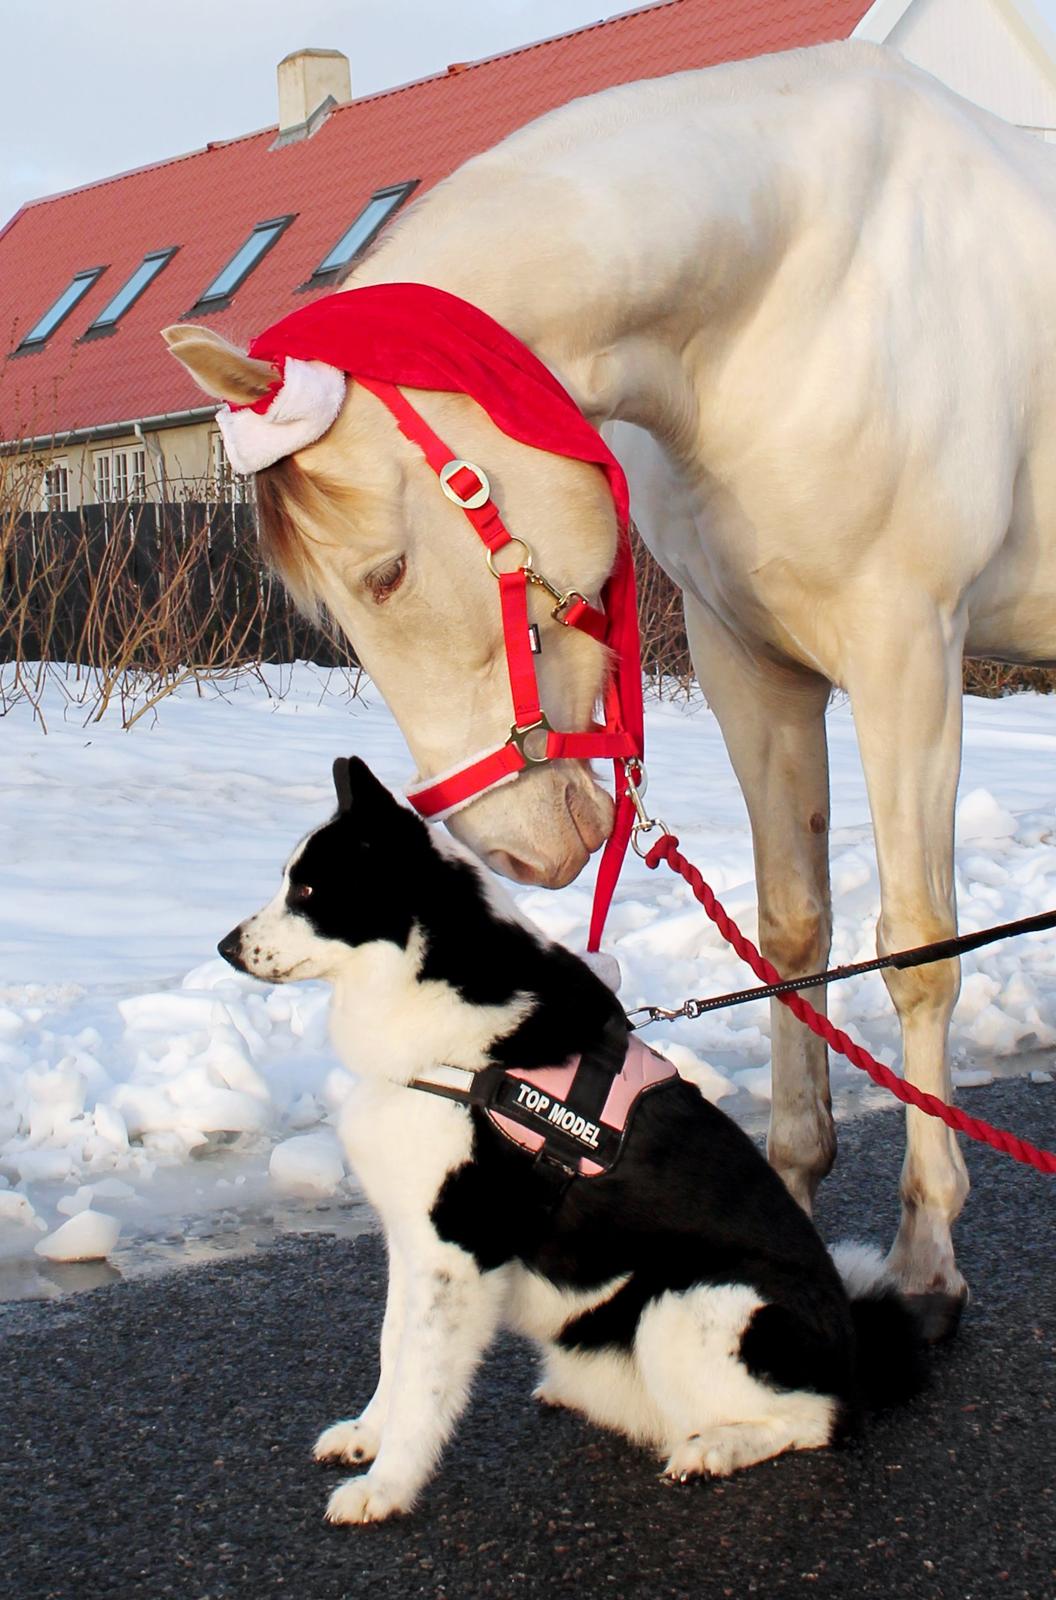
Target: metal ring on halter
{"x":525,"y":566}
{"x":472,"y":502}
{"x":519,"y":739}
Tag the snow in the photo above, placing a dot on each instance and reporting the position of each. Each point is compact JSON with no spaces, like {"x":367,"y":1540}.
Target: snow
{"x":310,"y":1163}
{"x":89,"y":1236}
{"x":139,"y":1073}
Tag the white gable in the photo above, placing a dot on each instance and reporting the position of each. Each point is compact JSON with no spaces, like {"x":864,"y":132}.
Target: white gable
{"x":999,"y":53}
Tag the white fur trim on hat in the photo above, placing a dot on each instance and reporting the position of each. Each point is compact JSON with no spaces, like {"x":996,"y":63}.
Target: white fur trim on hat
{"x":303,"y":409}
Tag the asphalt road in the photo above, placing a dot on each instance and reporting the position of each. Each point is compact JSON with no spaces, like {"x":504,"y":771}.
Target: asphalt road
{"x":154,"y":1440}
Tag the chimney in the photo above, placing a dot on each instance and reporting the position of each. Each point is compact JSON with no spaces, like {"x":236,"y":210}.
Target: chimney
{"x":307,"y":79}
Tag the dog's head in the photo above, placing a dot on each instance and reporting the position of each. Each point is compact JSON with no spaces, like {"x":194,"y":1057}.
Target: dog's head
{"x":355,"y":881}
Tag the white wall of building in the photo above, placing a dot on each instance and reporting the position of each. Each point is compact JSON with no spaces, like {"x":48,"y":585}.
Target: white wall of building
{"x":999,"y":53}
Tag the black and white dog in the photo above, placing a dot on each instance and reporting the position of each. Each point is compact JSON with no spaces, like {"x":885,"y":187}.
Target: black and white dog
{"x":572,"y":1187}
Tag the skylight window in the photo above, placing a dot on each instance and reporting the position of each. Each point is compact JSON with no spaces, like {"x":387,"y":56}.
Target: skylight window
{"x":131,"y":289}
{"x":365,"y":228}
{"x":70,"y":296}
{"x":258,"y":244}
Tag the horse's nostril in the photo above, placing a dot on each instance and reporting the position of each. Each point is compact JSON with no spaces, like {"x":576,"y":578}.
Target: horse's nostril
{"x":512,"y":867}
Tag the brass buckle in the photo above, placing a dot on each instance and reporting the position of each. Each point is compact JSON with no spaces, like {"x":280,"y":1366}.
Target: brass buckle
{"x":569,"y":597}
{"x":519,"y":739}
{"x":478,"y":498}
{"x":563,"y":597}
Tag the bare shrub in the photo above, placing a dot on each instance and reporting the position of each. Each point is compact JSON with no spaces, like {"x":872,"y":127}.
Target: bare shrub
{"x":665,"y":648}
{"x":128,"y":602}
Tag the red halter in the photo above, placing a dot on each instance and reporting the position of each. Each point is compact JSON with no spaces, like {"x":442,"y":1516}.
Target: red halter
{"x":413,"y":335}
{"x":532,"y":740}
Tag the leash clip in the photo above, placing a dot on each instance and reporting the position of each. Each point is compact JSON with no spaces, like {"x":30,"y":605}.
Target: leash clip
{"x":637,"y":784}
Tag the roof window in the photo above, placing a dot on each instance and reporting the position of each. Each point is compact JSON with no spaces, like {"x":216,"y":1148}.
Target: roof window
{"x":70,"y":296}
{"x":131,"y":289}
{"x":223,"y":286}
{"x":365,"y":228}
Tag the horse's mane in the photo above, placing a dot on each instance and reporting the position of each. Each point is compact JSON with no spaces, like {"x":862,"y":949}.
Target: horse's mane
{"x":288,"y":501}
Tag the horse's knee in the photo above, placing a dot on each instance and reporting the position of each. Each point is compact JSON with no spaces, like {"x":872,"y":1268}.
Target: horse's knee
{"x":795,"y":936}
{"x":932,"y":987}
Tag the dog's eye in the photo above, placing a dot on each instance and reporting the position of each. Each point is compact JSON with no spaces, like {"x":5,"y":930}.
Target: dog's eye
{"x":299,"y":893}
{"x":386,"y":579}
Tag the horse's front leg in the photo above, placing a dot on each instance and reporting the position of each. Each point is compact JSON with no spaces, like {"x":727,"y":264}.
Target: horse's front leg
{"x":773,"y":721}
{"x":906,"y":696}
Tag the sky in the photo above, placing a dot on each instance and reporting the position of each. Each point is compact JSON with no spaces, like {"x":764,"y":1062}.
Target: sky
{"x":94,"y":87}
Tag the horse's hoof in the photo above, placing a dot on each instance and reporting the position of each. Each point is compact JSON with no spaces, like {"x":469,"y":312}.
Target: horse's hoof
{"x":938,"y":1313}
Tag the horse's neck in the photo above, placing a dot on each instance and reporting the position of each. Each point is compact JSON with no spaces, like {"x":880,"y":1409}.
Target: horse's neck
{"x":610,"y":250}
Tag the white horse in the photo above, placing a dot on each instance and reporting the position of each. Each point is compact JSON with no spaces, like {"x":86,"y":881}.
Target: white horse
{"x":816,"y":295}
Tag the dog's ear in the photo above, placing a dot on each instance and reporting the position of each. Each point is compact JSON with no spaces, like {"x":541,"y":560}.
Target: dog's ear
{"x":357,"y":787}
{"x":343,"y":784}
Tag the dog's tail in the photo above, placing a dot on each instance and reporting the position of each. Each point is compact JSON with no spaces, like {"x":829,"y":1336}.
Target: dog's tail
{"x":889,"y":1363}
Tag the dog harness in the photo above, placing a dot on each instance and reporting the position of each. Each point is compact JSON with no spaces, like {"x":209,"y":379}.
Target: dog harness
{"x":573,"y":1120}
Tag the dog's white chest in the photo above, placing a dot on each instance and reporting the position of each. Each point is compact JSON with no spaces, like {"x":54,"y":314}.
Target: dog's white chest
{"x":402,"y":1145}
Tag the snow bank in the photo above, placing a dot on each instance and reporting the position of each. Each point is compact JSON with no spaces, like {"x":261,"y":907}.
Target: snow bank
{"x":130,"y":1052}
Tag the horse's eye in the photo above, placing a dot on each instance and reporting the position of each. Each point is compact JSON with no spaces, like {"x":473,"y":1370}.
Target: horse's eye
{"x":386,"y":579}
{"x":299,"y":893}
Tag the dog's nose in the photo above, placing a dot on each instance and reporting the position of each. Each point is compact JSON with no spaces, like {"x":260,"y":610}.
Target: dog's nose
{"x":230,"y":947}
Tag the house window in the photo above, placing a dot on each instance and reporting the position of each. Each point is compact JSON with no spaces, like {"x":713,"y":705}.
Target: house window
{"x":56,"y":493}
{"x":229,"y":487}
{"x":120,"y":475}
{"x":132,"y":288}
{"x":260,"y":241}
{"x":366,"y":227}
{"x":60,"y":309}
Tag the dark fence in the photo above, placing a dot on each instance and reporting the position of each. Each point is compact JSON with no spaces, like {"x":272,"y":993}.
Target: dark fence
{"x":143,"y":586}
{"x":161,"y":588}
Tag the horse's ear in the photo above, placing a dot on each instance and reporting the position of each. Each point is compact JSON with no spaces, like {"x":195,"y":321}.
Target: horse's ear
{"x":217,"y":367}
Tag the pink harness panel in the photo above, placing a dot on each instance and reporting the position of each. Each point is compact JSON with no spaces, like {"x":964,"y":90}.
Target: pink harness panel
{"x":547,"y":1088}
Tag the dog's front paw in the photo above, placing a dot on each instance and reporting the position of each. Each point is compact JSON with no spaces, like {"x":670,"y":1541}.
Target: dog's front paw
{"x":547,"y":1397}
{"x":366,"y":1499}
{"x":701,"y":1455}
{"x":355,"y":1442}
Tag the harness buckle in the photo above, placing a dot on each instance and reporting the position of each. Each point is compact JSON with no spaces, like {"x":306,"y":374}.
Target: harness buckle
{"x":474,"y":501}
{"x":519,"y":739}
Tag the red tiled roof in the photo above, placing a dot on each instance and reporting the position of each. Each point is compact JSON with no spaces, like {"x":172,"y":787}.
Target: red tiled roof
{"x":207,"y":202}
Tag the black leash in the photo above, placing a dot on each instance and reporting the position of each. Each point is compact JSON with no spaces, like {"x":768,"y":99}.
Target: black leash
{"x":920,"y":956}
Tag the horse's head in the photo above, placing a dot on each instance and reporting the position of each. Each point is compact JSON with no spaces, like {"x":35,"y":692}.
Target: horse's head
{"x":357,"y":523}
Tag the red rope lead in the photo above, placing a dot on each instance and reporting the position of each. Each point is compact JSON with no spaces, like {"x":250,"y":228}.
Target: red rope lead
{"x":666,"y":849}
